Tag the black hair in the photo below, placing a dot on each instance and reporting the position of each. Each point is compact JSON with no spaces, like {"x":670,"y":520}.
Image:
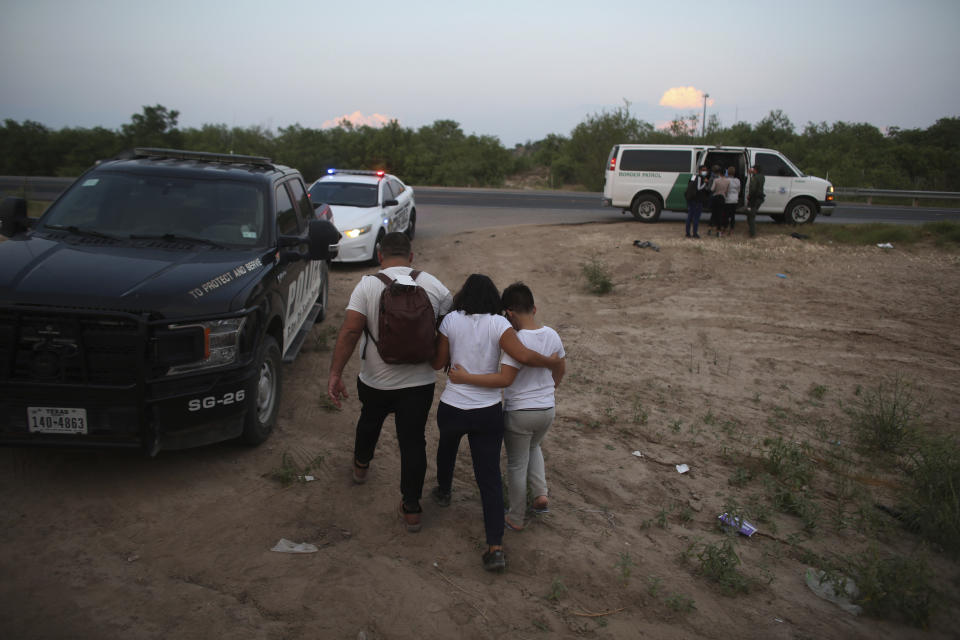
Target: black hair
{"x":477,"y":295}
{"x":395,"y":243}
{"x":517,"y":297}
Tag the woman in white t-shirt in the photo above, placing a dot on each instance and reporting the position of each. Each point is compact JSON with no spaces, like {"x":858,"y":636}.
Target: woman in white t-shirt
{"x":528,"y":403}
{"x":472,"y":335}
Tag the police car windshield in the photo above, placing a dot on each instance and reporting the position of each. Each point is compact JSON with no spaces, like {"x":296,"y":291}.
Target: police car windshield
{"x":345,"y":194}
{"x":223,"y":212}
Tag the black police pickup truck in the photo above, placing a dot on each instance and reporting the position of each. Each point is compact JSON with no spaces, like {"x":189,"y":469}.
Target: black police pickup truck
{"x":153,"y":303}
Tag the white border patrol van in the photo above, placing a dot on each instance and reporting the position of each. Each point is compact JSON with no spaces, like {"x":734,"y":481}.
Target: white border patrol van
{"x":648,"y":178}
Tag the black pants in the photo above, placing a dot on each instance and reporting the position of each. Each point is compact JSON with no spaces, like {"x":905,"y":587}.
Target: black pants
{"x":716,"y":211}
{"x":484,"y":430}
{"x":410,"y":407}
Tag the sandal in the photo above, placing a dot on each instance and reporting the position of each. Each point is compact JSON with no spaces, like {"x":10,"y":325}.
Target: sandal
{"x":541,"y":505}
{"x":510,"y":525}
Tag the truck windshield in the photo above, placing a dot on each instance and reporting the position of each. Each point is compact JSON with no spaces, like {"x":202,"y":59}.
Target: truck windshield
{"x":345,"y":194}
{"x":224,"y":212}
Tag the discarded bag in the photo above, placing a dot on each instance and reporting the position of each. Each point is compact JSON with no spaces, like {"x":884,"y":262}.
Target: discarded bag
{"x":741,"y":525}
{"x":286,"y":546}
{"x":644,"y":244}
{"x":821,"y":584}
{"x":885,"y":245}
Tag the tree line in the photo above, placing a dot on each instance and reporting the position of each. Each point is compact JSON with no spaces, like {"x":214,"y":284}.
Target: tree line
{"x":441,"y":154}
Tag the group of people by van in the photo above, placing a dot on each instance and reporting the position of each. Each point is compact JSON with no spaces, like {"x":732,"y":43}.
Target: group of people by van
{"x":720,"y":191}
{"x":503,"y":367}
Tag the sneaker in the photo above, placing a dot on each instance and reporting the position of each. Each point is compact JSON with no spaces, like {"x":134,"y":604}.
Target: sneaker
{"x":696,"y":235}
{"x":411,"y":518}
{"x":441,"y":497}
{"x":360,"y":472}
{"x":494,"y":560}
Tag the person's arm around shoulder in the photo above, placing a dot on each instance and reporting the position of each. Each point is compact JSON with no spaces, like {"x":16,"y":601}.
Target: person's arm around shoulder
{"x":503,"y":378}
{"x":350,"y":332}
{"x":510,"y":343}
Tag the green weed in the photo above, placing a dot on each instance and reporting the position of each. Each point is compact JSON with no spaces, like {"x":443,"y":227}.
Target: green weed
{"x":625,"y":564}
{"x":895,"y":587}
{"x":886,"y":418}
{"x":557,"y":590}
{"x":718,"y":563}
{"x":598,"y":275}
{"x":681,"y":603}
{"x":933,"y":499}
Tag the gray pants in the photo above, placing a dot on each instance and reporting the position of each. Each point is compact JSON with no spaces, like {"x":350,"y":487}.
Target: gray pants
{"x":523,"y":432}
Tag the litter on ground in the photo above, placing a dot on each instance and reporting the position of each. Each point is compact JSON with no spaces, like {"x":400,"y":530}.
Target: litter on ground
{"x":742,"y":525}
{"x":682,"y":468}
{"x":286,"y":546}
{"x":826,"y":588}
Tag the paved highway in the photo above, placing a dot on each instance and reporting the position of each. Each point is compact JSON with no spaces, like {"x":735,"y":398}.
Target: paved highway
{"x":450,"y":210}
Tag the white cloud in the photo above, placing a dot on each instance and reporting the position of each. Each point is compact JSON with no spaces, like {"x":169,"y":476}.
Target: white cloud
{"x":684,"y":98}
{"x":357,"y":119}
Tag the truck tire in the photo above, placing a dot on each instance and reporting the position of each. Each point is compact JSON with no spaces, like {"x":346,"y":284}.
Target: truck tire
{"x":646,"y":208}
{"x":264,"y":403}
{"x":801,"y":211}
{"x":324,"y":296}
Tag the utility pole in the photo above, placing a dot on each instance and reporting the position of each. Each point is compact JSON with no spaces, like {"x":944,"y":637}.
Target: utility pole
{"x":703,"y":125}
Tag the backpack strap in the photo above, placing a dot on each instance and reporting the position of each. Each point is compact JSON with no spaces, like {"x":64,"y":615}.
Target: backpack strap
{"x":387,"y":281}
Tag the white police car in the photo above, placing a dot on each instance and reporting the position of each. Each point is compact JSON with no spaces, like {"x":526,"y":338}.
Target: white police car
{"x":366,"y":206}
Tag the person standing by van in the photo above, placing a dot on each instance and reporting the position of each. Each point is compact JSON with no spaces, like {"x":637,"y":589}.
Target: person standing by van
{"x":718,"y":189}
{"x":697,"y":194}
{"x":730,"y":203}
{"x":755,"y":198}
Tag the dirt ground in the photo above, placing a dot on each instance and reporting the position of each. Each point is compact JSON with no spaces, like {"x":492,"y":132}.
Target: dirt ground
{"x":699,"y":354}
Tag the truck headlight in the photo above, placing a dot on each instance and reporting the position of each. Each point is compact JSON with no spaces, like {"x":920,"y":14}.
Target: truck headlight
{"x":218,"y":346}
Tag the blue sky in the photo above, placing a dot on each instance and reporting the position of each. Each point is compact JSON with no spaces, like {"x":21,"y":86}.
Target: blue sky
{"x":516,"y":70}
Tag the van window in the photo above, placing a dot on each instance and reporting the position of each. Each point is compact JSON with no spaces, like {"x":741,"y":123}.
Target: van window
{"x":655,"y":160}
{"x":773,"y":165}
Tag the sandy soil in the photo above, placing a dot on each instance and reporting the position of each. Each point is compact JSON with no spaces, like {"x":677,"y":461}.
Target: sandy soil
{"x":699,"y":354}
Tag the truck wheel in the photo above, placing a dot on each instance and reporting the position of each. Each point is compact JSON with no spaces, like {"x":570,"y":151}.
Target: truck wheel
{"x":801,"y":211}
{"x":263,"y":404}
{"x":324,"y":296}
{"x":375,"y":258}
{"x":646,"y":208}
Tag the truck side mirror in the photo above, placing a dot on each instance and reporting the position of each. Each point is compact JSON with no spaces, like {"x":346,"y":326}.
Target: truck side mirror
{"x":323,"y":240}
{"x":13,"y":216}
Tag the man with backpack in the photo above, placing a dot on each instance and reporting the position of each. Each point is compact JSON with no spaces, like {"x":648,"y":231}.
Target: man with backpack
{"x":398,"y":322}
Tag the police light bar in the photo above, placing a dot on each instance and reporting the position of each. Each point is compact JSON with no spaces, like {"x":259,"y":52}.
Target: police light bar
{"x":357,"y":172}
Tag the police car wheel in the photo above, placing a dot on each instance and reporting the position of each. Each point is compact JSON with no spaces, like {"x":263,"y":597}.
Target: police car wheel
{"x":375,"y":258}
{"x":412,"y":225}
{"x":801,"y":211}
{"x":646,"y":209}
{"x":263,"y":404}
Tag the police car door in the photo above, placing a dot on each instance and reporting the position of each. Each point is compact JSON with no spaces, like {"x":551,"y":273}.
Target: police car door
{"x":301,"y":279}
{"x":391,"y":207}
{"x":404,"y":197}
{"x":778,"y":179}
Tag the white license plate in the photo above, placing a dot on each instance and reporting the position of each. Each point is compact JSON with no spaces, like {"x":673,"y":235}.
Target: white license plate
{"x":57,"y":420}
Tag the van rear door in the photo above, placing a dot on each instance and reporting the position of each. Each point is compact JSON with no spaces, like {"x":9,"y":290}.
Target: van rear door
{"x":608,"y":173}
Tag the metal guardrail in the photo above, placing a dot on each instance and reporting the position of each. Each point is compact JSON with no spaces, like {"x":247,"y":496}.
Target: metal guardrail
{"x":869,"y":194}
{"x":48,"y":188}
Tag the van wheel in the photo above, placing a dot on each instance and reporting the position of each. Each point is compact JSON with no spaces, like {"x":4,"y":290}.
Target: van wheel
{"x":801,"y":211}
{"x":646,"y":208}
{"x":264,"y":403}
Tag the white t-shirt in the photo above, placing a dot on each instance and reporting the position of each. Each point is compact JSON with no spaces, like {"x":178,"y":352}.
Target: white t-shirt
{"x":365,"y":299}
{"x":533,"y":387}
{"x":733,"y":193}
{"x":475,"y":346}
